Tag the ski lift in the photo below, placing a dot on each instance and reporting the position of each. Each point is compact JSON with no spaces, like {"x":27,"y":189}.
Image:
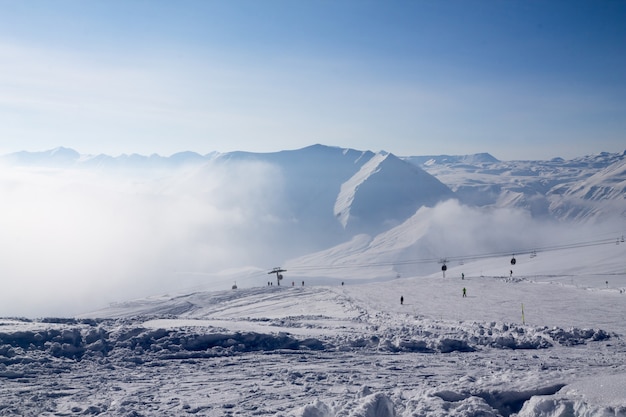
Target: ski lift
{"x":513,"y":261}
{"x":278,"y":271}
{"x":234,"y":286}
{"x":443,"y":261}
{"x":533,"y":254}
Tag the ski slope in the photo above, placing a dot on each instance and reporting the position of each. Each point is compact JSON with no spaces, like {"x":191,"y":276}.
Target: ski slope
{"x":342,"y":350}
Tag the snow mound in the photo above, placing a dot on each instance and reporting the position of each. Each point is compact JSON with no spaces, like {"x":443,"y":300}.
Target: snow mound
{"x":368,"y":405}
{"x":316,"y":409}
{"x":592,"y":396}
{"x":375,"y":405}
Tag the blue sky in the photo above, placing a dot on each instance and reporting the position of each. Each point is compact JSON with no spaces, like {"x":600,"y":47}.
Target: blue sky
{"x":519,"y":79}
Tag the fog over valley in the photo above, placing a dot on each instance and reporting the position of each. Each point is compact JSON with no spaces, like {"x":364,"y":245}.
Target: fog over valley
{"x":81,"y":230}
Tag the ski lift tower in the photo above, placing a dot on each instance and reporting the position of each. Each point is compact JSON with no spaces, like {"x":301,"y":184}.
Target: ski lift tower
{"x":443,"y":261}
{"x":278,"y":271}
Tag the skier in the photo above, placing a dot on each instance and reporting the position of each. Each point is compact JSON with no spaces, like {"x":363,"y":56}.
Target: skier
{"x":464,"y":292}
{"x":462,"y":275}
{"x":401,"y":300}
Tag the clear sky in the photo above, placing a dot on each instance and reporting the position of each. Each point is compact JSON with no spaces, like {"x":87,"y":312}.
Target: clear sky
{"x":519,"y":79}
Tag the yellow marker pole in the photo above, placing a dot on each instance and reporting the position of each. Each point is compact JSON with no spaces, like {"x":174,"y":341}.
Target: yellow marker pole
{"x":523,"y":320}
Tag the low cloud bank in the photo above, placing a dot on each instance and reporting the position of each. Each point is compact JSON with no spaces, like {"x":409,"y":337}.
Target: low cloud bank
{"x":73,"y":240}
{"x":457,"y":230}
{"x":449,"y":231}
{"x":460,"y":233}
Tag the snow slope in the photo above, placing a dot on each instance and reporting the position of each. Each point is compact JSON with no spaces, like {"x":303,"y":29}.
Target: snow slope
{"x":342,"y":350}
{"x":609,"y":183}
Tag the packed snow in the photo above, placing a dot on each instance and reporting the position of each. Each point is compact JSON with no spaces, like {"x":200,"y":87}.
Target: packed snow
{"x":543,"y":337}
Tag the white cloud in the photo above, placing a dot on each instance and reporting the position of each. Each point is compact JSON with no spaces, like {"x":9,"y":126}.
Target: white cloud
{"x":74,"y":239}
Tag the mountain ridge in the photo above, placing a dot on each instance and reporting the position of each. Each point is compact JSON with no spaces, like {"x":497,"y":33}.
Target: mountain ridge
{"x":70,"y":155}
{"x":554,"y":188}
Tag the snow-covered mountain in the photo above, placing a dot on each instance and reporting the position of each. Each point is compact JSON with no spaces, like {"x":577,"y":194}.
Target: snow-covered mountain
{"x":327,"y":194}
{"x":349,"y":191}
{"x":370,"y":192}
{"x":62,"y":157}
{"x":588,"y":188}
{"x":385,"y":192}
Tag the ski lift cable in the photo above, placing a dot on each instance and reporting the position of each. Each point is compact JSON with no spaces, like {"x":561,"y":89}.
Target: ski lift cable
{"x":535,"y":250}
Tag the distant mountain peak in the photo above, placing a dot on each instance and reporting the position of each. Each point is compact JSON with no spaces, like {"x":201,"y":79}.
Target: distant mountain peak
{"x":59,"y":156}
{"x":386,"y":190}
{"x":473,"y":159}
{"x":61,"y":150}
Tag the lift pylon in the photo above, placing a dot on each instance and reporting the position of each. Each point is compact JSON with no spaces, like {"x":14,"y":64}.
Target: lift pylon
{"x":278,"y":271}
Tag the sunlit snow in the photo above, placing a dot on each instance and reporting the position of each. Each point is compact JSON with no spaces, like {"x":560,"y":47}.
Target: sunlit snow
{"x":343,"y":350}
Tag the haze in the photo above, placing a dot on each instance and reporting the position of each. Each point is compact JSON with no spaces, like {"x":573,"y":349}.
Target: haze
{"x":74,"y":239}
